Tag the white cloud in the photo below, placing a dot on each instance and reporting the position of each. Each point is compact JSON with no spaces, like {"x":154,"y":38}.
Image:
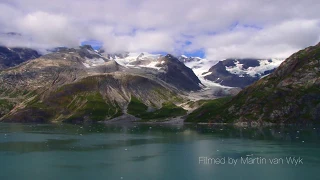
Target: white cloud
{"x":164,"y":25}
{"x":52,"y":29}
{"x":7,"y":13}
{"x":280,"y":40}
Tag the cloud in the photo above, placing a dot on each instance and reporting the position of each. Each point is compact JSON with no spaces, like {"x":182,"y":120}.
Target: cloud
{"x":276,"y":41}
{"x":220,"y":28}
{"x":7,"y":14}
{"x":52,"y":29}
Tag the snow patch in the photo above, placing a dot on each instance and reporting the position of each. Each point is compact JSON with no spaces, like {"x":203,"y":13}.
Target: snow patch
{"x":152,"y":65}
{"x":86,"y":65}
{"x":206,"y":74}
{"x":237,"y":69}
{"x":200,"y":67}
{"x":265,"y":65}
{"x":93,"y":62}
{"x":132,"y":57}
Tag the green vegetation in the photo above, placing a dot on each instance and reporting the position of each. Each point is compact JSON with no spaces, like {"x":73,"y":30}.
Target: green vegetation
{"x":197,"y":104}
{"x":167,"y":110}
{"x":138,"y":109}
{"x":79,"y":101}
{"x":81,"y":106}
{"x":208,"y":110}
{"x":159,"y":92}
{"x":95,"y":109}
{"x":12,"y":93}
{"x":5,"y":104}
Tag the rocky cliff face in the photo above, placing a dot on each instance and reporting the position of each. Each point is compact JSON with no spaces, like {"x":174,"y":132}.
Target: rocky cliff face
{"x":10,"y":57}
{"x":291,"y":94}
{"x":175,"y":72}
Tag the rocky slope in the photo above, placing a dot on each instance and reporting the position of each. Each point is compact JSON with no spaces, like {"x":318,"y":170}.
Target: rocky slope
{"x":93,"y":98}
{"x":175,"y":72}
{"x":291,"y":94}
{"x":79,"y":84}
{"x":10,"y":57}
{"x":168,"y":68}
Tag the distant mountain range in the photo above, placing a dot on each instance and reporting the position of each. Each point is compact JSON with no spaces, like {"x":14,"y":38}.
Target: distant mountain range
{"x":82,"y":84}
{"x":229,"y":72}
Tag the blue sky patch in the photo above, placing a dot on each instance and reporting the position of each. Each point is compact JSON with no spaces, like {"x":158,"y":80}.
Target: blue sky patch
{"x":93,"y":43}
{"x":198,"y":53}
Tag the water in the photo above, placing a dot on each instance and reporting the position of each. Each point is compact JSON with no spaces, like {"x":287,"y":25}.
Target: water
{"x":64,"y":151}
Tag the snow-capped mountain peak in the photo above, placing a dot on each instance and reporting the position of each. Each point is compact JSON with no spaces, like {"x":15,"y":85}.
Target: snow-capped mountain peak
{"x":253,"y":67}
{"x":210,"y":72}
{"x":241,"y":72}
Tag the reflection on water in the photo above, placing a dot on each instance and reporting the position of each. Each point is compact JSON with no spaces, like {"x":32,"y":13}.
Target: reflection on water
{"x":65,"y":151}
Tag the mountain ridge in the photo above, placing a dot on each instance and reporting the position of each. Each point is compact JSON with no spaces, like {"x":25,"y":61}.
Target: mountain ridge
{"x":80,"y":85}
{"x":291,"y":94}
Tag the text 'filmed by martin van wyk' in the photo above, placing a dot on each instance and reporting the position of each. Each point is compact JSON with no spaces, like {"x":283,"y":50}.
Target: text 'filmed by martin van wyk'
{"x":295,"y":161}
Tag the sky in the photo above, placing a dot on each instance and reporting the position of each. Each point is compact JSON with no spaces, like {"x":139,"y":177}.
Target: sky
{"x":214,"y":29}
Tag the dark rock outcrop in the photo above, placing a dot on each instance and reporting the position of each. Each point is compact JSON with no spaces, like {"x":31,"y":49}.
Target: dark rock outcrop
{"x":10,"y":57}
{"x":176,"y":73}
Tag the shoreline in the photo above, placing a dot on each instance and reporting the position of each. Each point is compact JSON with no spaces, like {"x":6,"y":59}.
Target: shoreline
{"x":123,"y":120}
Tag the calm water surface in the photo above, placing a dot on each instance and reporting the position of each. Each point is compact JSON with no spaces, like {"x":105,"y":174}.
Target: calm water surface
{"x":64,"y":151}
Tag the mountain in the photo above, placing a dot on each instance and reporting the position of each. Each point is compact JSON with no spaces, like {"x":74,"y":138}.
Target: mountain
{"x":229,"y":72}
{"x":241,"y":72}
{"x":291,"y":94}
{"x":152,"y":61}
{"x":79,"y":84}
{"x":177,"y":73}
{"x":82,"y":84}
{"x":167,"y":68}
{"x":10,"y":57}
